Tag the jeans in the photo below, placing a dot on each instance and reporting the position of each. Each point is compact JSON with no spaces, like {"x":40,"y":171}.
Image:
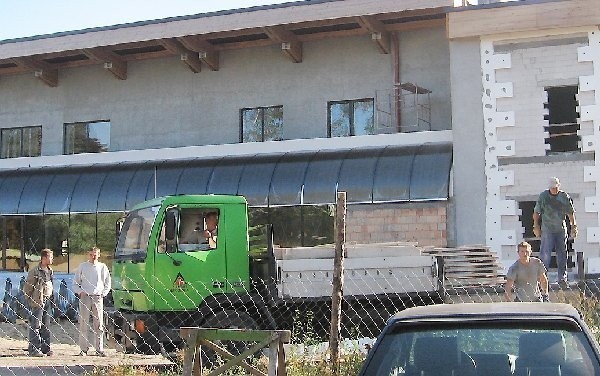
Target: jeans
{"x":556,"y":241}
{"x":39,"y":334}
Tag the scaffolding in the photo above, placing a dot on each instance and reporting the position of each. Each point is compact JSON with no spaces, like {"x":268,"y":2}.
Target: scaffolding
{"x":405,"y":108}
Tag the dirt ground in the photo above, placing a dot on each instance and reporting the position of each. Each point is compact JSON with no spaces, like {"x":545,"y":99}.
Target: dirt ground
{"x":13,"y":349}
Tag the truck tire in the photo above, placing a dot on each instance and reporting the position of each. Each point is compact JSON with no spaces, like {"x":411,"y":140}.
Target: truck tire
{"x":228,"y":319}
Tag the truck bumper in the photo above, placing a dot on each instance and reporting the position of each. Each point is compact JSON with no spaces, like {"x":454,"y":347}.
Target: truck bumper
{"x":133,"y":331}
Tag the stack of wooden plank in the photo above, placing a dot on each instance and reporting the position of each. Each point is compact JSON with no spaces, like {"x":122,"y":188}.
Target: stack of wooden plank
{"x":469,"y":266}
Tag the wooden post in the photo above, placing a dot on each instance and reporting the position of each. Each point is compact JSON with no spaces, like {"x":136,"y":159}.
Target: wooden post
{"x":338,"y":281}
{"x":580,"y":267}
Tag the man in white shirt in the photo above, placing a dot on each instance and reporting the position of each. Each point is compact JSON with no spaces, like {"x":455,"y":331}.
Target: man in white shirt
{"x":91,"y":284}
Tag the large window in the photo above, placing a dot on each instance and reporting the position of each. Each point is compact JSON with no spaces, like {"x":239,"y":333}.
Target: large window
{"x":261,"y":124}
{"x":350,"y":118}
{"x":87,"y":137}
{"x":562,"y":119}
{"x":21,"y":142}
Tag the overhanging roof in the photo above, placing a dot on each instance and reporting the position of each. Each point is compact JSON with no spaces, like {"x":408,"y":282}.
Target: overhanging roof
{"x":199,"y":39}
{"x":368,"y":175}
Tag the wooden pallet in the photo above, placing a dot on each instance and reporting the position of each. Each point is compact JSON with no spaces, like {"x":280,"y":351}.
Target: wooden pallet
{"x":469,"y":266}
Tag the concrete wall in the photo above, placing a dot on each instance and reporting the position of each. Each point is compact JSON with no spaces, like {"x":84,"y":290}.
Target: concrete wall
{"x":469,"y":180}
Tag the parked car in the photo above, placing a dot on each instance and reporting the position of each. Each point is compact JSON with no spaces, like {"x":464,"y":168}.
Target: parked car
{"x":491,"y":339}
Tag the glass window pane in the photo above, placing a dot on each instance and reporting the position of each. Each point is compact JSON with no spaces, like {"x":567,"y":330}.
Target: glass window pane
{"x":11,"y":189}
{"x":321,"y":178}
{"x":317,"y":225}
{"x":393,"y":174}
{"x":11,"y":143}
{"x":356,"y":175}
{"x":255,"y":181}
{"x":34,"y":194}
{"x":139,"y":186}
{"x":194,"y":178}
{"x":56,"y":233}
{"x":273,"y":123}
{"x":32,"y":142}
{"x":226,"y":177}
{"x":252,"y":125}
{"x":114,"y":189}
{"x":167,"y":179}
{"x":363,"y":117}
{"x":85,"y":194}
{"x":106,"y":236}
{"x":287,"y":226}
{"x":286,"y":184}
{"x":69,"y":146}
{"x":339,"y":119}
{"x":82,"y":237}
{"x":431,"y":172}
{"x":99,"y":132}
{"x":33,"y":239}
{"x":58,"y":198}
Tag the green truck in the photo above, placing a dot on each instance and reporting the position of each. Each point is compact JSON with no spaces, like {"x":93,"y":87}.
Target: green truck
{"x":191,"y":260}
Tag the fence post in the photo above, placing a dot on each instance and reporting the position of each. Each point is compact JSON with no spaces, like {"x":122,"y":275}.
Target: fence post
{"x":338,"y":281}
{"x":580,"y":266}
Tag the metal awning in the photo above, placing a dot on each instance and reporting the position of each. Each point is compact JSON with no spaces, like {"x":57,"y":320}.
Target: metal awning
{"x":368,"y":175}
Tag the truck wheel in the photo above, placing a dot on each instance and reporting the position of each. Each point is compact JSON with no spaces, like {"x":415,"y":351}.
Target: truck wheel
{"x":227,"y":320}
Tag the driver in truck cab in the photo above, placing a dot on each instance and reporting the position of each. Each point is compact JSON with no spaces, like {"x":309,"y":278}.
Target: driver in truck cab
{"x":210,"y":229}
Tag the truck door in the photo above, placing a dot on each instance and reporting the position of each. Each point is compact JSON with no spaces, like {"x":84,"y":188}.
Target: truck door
{"x":191,"y":266}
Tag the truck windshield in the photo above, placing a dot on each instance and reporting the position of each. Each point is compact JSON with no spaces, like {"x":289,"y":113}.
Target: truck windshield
{"x":484,"y":349}
{"x":133,"y":240}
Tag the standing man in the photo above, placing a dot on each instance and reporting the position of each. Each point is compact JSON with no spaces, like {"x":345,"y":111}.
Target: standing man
{"x":92,"y":284}
{"x":528,"y":277}
{"x":38,"y":292}
{"x":552,"y":206}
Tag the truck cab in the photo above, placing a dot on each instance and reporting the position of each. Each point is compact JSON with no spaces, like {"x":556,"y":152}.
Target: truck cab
{"x":172,"y":254}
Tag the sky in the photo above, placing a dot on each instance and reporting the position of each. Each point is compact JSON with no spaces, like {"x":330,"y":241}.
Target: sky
{"x":25,"y":18}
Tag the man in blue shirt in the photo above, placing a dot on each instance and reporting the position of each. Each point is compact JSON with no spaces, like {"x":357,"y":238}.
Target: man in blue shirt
{"x":551,"y":207}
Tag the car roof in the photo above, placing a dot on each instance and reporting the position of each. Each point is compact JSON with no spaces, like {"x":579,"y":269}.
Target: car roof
{"x":487,"y":310}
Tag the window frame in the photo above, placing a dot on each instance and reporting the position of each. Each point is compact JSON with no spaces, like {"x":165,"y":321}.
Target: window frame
{"x":21,"y":141}
{"x":562,"y":129}
{"x":72,"y":151}
{"x":262,"y":110}
{"x":351,"y":114}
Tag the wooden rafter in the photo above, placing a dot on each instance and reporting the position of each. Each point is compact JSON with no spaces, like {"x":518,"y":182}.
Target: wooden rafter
{"x":290,"y":45}
{"x":187,"y":56}
{"x":113,"y":62}
{"x":42,"y":70}
{"x":206,"y":52}
{"x":378,"y":33}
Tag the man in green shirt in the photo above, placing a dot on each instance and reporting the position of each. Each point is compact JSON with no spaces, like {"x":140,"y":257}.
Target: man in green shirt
{"x":551,"y":207}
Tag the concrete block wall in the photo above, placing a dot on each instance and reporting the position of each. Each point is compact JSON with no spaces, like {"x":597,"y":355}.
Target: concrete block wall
{"x":516,"y":71}
{"x":424,"y":223}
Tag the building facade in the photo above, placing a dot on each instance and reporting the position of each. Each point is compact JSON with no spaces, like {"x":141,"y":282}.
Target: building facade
{"x":441,"y":127}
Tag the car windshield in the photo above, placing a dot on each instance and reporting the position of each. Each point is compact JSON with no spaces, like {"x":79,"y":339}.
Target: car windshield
{"x":484,"y":348}
{"x":133,"y":239}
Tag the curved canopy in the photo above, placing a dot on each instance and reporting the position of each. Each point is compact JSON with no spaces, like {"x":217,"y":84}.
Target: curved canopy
{"x":368,"y":175}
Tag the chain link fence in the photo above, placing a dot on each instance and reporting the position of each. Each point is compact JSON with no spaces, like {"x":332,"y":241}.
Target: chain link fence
{"x":149,"y":338}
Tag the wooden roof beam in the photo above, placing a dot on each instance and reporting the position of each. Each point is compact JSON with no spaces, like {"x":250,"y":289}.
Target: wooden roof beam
{"x":378,"y":33}
{"x":42,"y":70}
{"x":113,"y":62}
{"x":206,"y":51}
{"x":188,"y":57}
{"x":290,"y":45}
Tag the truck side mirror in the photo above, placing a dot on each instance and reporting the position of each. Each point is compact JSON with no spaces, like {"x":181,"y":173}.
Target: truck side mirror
{"x":171,"y":225}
